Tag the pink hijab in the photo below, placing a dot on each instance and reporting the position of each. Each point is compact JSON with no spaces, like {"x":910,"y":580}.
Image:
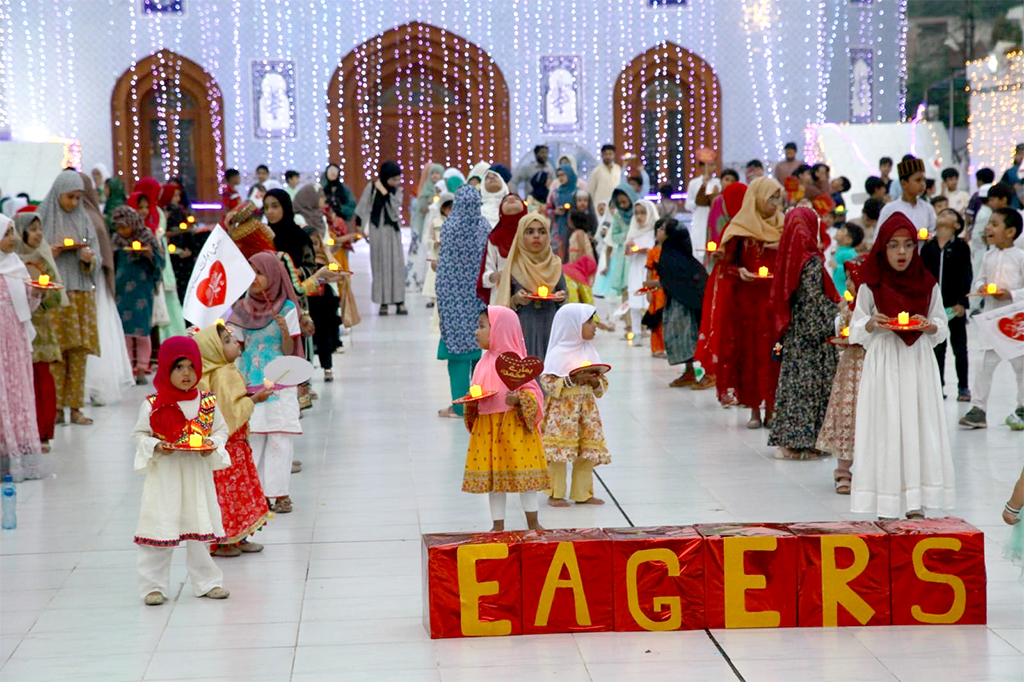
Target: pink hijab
{"x":506,"y":335}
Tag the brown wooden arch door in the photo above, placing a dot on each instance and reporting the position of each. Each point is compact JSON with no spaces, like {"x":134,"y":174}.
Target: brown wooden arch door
{"x":416,"y":94}
{"x":168,"y":121}
{"x":668,"y":104}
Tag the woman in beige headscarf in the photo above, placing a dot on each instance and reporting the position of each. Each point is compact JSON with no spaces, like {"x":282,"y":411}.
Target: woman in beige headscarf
{"x":746,"y":371}
{"x":532,"y":264}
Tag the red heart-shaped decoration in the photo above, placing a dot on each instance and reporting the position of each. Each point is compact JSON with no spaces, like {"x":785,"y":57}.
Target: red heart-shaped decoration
{"x":1013,"y":327}
{"x":213,"y":290}
{"x":516,"y":371}
{"x":168,"y":423}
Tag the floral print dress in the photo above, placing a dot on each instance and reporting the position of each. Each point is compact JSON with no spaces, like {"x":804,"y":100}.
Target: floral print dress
{"x":572,"y":424}
{"x":836,"y":435}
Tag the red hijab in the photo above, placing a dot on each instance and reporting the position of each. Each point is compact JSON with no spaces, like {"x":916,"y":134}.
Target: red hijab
{"x":151,"y":188}
{"x":167,"y":193}
{"x":501,"y":236}
{"x":166,"y":420}
{"x":798,"y":246}
{"x":895,"y":292}
{"x":732,"y":197}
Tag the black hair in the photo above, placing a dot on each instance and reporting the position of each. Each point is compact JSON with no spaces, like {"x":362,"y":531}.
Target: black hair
{"x":959,"y":219}
{"x":939,"y":197}
{"x":856,"y":233}
{"x":907,"y":157}
{"x":608,"y":147}
{"x":818,"y":166}
{"x":26,"y":197}
{"x":1001,"y":191}
{"x":1012,"y":219}
{"x":803,"y":168}
{"x":948,"y":173}
{"x":666,"y":190}
{"x":538,"y":147}
{"x":873,"y":184}
{"x":730,"y":171}
{"x":754,"y":163}
{"x":928,"y":183}
{"x":231,"y":173}
{"x":637,"y":179}
{"x":790,"y":145}
{"x":885,"y":160}
{"x":24,"y":233}
{"x":985,"y":176}
{"x":844,"y":183}
{"x":289,"y":174}
{"x":872,"y":209}
{"x":262,"y":166}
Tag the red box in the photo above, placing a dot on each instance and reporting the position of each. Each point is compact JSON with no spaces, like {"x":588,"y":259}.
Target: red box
{"x":842,"y":574}
{"x":938,"y":572}
{"x":658,"y":578}
{"x":749,"y":575}
{"x":567,"y":581}
{"x":472,"y":584}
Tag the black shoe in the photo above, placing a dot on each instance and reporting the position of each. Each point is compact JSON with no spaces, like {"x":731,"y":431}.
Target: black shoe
{"x":383,"y":311}
{"x":400,"y":309}
{"x":974,"y":419}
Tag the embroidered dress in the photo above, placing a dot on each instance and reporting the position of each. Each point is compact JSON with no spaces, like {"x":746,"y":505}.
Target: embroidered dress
{"x":837,"y":433}
{"x":505,"y":451}
{"x":179,"y":498}
{"x":572,"y":424}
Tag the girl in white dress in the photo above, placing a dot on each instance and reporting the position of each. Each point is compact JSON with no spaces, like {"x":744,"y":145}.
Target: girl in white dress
{"x":639,"y":240}
{"x":901,"y":457}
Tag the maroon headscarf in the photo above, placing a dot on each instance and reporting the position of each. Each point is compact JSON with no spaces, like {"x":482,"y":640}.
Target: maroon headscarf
{"x":167,"y":193}
{"x":799,"y":245}
{"x":895,"y":292}
{"x":256,"y":312}
{"x":166,"y":420}
{"x":151,"y":188}
{"x":502,"y":236}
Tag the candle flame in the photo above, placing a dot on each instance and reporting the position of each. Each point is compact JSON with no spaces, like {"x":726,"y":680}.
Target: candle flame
{"x":219,"y":322}
{"x":330,"y":241}
{"x":712,"y":247}
{"x":475,"y":391}
{"x":69,"y":242}
{"x":136,"y":245}
{"x":845,"y":332}
{"x":848,"y":296}
{"x":436,"y":199}
{"x":195,"y":441}
{"x":182,"y":226}
{"x":171,"y":248}
{"x":762,"y":271}
{"x":191,"y":219}
{"x":333,"y":267}
{"x":542,"y":291}
{"x":922,"y":233}
{"x":991,"y":288}
{"x":585,"y":363}
{"x":566,"y":207}
{"x":629,"y":336}
{"x":267,"y":383}
{"x":44,"y":280}
{"x":903,"y":318}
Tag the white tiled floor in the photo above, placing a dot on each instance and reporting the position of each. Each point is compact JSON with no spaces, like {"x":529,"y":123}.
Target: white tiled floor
{"x":336,"y":595}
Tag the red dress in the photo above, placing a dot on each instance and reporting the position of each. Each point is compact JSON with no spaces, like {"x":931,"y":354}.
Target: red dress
{"x":743,"y":323}
{"x":243,"y":506}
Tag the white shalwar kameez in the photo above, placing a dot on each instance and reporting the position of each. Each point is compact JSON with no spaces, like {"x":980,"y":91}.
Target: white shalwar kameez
{"x":1005,"y":269}
{"x":179,"y":504}
{"x":901,"y":457}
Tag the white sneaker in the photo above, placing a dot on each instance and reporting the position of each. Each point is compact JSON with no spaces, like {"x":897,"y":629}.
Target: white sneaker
{"x":1016,"y":419}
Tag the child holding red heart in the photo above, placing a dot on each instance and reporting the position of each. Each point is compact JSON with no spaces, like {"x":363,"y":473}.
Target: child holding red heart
{"x":505,"y":451}
{"x":1002,"y":265}
{"x":572,"y":424}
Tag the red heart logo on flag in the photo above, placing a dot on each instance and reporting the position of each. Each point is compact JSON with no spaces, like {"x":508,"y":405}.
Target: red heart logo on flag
{"x":1013,"y":327}
{"x":213,"y":290}
{"x":516,"y":371}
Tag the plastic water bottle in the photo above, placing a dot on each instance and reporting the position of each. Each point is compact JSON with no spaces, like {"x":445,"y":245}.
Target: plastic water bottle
{"x":10,"y":503}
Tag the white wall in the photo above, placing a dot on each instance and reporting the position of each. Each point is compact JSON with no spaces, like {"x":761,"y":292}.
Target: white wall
{"x":62,"y":58}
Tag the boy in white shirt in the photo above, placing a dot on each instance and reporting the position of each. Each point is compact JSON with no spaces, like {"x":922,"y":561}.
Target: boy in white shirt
{"x":911,"y":203}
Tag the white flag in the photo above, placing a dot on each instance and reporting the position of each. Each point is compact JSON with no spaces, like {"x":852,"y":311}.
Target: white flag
{"x":1003,"y":329}
{"x":221,"y":276}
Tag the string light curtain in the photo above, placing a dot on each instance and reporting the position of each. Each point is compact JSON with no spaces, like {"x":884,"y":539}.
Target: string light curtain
{"x":996,"y":120}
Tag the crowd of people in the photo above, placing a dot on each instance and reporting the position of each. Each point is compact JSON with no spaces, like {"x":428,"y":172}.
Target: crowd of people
{"x":831,"y":332}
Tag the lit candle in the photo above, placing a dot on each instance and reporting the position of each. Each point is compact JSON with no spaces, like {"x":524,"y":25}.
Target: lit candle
{"x":585,"y":363}
{"x":566,"y":206}
{"x":848,"y":296}
{"x":922,"y":233}
{"x":44,"y":280}
{"x":68,"y":241}
{"x":991,"y":288}
{"x":629,"y":336}
{"x":136,"y":245}
{"x":542,"y":291}
{"x":219,"y":321}
{"x":845,"y":333}
{"x":475,"y":391}
{"x":191,"y":218}
{"x":267,"y":383}
{"x":182,"y":226}
{"x":333,"y":267}
{"x":712,"y":247}
{"x":195,"y":441}
{"x":635,"y":248}
{"x":436,"y":199}
{"x":330,"y":241}
{"x":903,"y":318}
{"x":762,"y":271}
{"x":171,"y":248}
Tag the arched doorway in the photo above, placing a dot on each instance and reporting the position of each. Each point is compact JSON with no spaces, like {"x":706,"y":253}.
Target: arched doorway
{"x":416,"y":94}
{"x":167,"y":115}
{"x":668,"y":105}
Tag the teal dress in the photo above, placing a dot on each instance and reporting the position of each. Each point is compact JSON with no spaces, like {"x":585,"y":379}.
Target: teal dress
{"x":136,"y":277}
{"x":280,"y":412}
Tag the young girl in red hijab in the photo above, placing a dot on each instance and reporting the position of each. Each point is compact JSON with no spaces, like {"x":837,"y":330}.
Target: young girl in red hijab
{"x":505,"y":451}
{"x":499,"y":243}
{"x":179,"y":498}
{"x":805,"y":307}
{"x":901,"y":454}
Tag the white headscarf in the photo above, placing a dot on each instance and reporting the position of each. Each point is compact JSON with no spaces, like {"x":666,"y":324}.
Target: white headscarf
{"x":104,"y":174}
{"x":567,"y":349}
{"x":491,"y":207}
{"x":479,"y":171}
{"x":15,"y":275}
{"x":637,"y":229}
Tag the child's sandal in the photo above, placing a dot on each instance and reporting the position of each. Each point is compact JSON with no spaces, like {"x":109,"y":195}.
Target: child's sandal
{"x":843,"y":485}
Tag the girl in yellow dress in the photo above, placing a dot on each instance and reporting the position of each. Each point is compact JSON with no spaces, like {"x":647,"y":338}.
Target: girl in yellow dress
{"x":505,"y":451}
{"x":572,"y":425}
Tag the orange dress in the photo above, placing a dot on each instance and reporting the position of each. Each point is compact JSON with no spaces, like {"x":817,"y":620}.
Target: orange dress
{"x":657,"y":300}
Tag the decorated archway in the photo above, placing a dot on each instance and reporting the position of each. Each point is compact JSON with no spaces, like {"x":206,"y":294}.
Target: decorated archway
{"x":668,"y":105}
{"x":416,"y":94}
{"x":168,"y":122}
